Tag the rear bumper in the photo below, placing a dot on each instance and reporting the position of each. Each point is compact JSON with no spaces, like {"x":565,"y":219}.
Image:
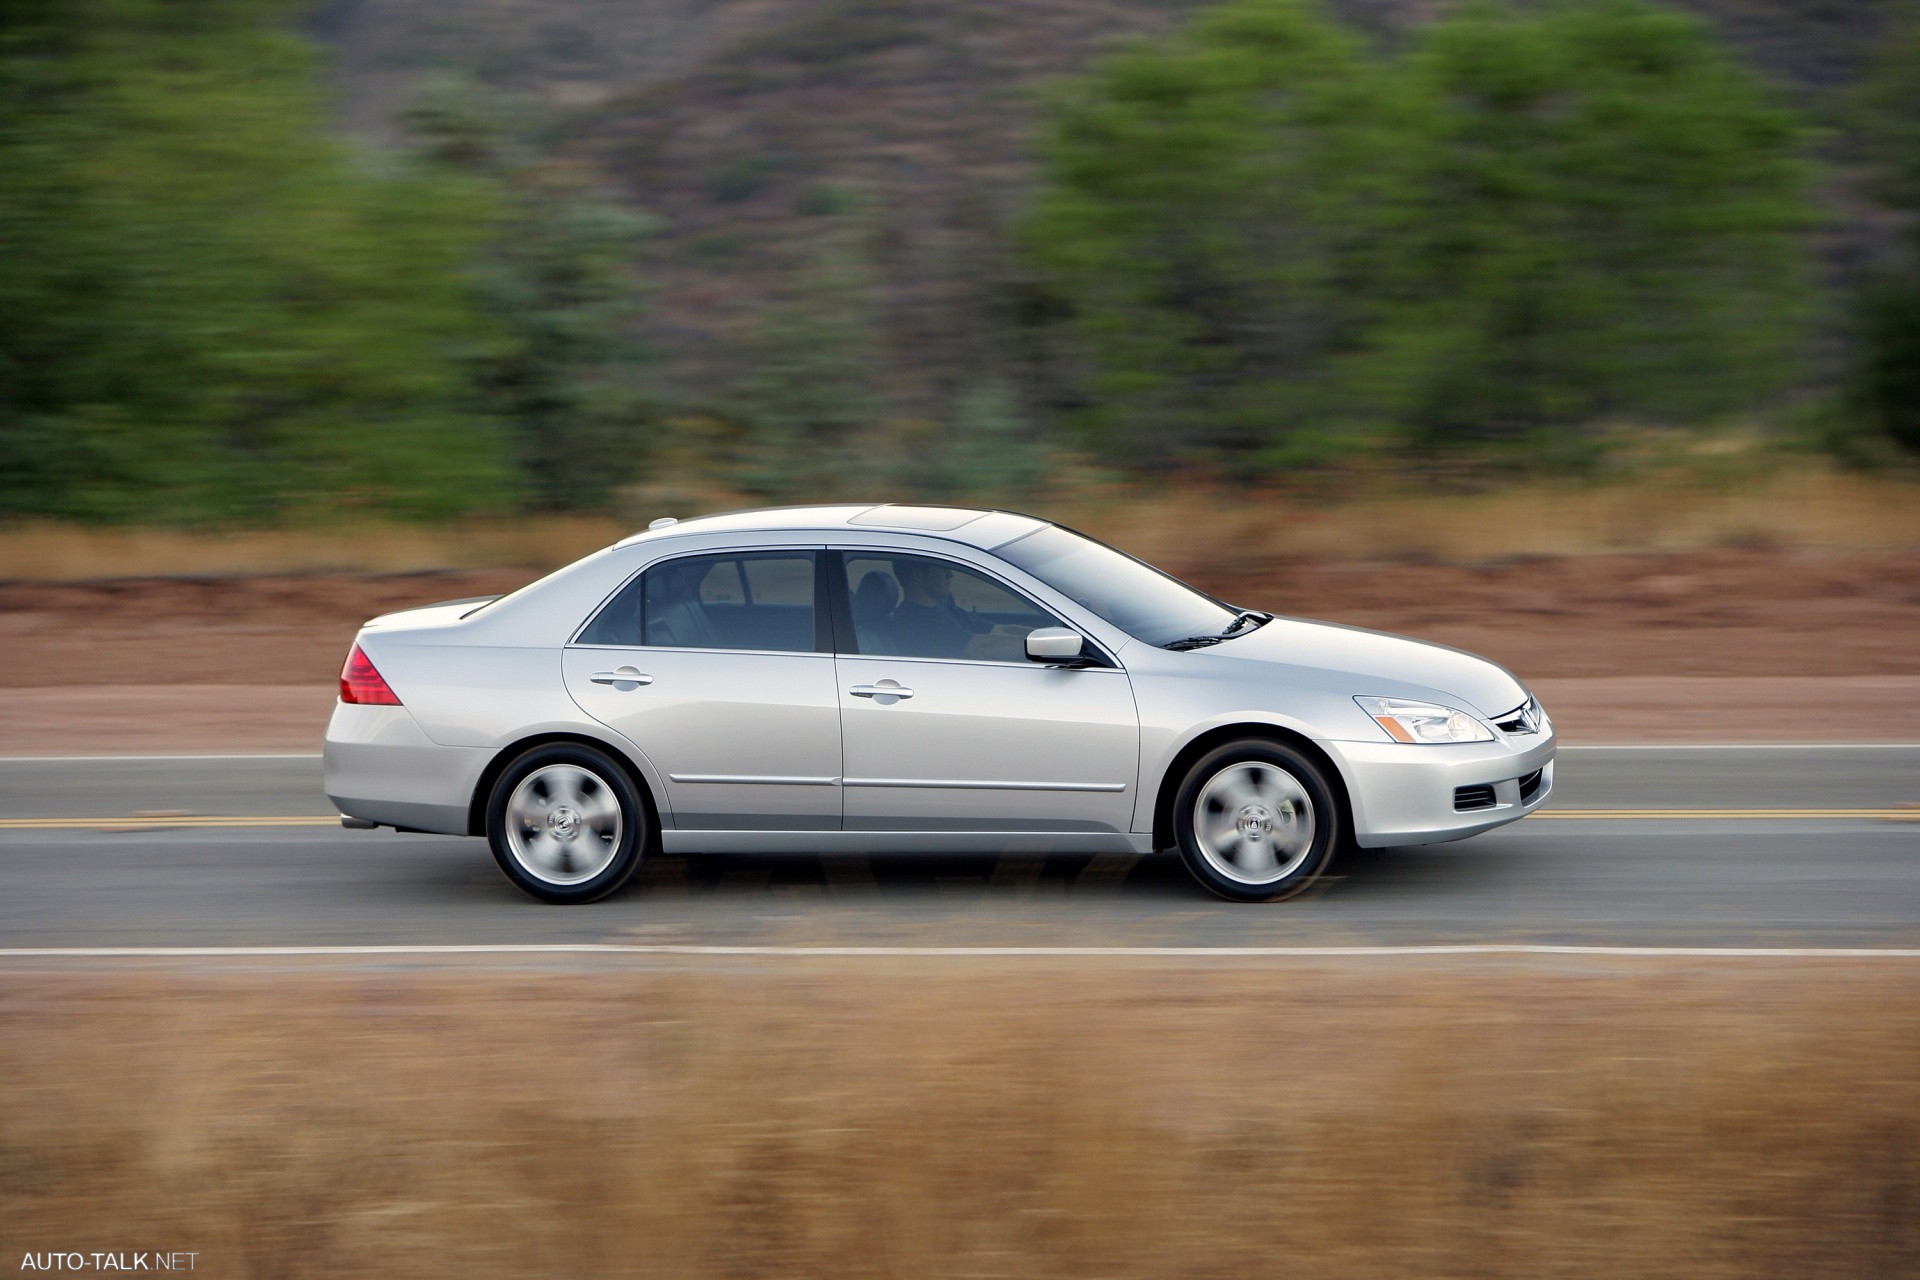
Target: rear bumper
{"x":381,"y":768}
{"x":1403,"y":794}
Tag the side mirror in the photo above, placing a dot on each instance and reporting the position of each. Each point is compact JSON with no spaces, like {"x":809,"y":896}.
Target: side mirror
{"x":1054,"y":644}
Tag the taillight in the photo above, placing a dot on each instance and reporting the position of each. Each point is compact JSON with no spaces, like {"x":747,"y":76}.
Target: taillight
{"x":360,"y":682}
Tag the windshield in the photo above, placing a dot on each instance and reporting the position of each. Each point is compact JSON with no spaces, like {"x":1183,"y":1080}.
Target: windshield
{"x":1134,"y":596}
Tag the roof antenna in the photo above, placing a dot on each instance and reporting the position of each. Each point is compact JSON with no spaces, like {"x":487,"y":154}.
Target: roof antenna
{"x":663,"y":522}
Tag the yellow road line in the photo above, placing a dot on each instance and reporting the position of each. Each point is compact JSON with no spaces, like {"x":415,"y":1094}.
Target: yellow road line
{"x":169,"y":821}
{"x":1725,"y":815}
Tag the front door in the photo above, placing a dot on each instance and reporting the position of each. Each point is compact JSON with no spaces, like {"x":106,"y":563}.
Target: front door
{"x":718,"y":667}
{"x":946,"y":726}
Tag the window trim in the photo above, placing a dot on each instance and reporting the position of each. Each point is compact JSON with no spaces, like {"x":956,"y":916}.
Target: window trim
{"x":846,"y":645}
{"x":823,"y":632}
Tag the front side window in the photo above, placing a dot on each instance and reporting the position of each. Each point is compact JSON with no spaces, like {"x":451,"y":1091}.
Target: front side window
{"x":1134,"y":596}
{"x":762,"y":600}
{"x":921,"y":607}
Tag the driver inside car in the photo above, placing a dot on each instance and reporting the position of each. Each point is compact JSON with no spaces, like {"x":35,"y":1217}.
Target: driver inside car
{"x":927,"y":623}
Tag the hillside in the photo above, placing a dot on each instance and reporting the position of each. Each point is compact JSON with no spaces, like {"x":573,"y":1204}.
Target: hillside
{"x":888,"y":140}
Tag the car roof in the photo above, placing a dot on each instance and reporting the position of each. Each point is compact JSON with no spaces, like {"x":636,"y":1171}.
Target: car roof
{"x":974,"y":526}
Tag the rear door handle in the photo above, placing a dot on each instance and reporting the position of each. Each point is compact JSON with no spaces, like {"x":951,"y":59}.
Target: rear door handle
{"x":625,"y":675}
{"x":886,"y":689}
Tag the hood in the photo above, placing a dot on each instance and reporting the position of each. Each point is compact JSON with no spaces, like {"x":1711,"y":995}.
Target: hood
{"x":1383,"y":664}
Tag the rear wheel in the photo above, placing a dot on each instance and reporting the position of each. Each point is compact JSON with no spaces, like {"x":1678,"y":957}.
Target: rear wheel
{"x":567,"y":824}
{"x":1256,"y":821}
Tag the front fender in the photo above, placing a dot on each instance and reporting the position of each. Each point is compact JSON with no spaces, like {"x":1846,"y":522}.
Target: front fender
{"x":1168,"y":746}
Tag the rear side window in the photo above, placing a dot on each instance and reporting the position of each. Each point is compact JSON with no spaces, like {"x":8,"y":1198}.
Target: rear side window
{"x":763,"y":600}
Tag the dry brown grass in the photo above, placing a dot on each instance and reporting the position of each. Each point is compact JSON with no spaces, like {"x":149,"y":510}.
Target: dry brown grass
{"x":1676,"y":511}
{"x":65,"y":553}
{"x":1177,"y":524}
{"x":981,"y":1118}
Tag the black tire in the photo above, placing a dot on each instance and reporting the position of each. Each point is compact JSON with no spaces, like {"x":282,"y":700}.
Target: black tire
{"x":1302,"y":828}
{"x":607,"y":859}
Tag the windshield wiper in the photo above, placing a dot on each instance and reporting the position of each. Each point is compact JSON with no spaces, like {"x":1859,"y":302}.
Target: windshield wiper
{"x":1240,"y":619}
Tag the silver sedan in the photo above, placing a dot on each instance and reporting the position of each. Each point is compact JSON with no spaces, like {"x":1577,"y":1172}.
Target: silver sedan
{"x":913,"y":679}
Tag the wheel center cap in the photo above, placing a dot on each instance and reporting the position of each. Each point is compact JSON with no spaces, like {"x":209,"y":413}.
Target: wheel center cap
{"x":564,"y":822}
{"x":1255,"y":821}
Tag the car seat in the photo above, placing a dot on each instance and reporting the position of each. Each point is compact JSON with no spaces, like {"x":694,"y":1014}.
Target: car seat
{"x":675,"y":616}
{"x":873,"y":600}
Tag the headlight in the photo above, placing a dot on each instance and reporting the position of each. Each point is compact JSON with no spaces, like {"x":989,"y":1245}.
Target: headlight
{"x":1407,"y":721}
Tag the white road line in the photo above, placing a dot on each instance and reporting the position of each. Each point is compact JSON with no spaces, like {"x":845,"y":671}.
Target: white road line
{"x":855,"y":952}
{"x":164,"y":823}
{"x":252,"y":755}
{"x":1565,"y":747}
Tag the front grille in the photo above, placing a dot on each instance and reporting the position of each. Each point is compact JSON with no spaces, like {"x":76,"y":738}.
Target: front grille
{"x":1467,"y":799}
{"x":1524,"y":718}
{"x":1530,"y":785}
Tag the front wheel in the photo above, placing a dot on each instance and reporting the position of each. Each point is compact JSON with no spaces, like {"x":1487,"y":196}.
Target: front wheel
{"x":1256,"y":821}
{"x":566,"y":824}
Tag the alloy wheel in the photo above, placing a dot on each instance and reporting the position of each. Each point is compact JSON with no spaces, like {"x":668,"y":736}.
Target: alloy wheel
{"x":563,"y":824}
{"x":1254,"y":823}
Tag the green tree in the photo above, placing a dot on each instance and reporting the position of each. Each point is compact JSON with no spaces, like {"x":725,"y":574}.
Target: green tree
{"x":811,"y":408}
{"x":1890,"y":116}
{"x":1610,"y":220}
{"x":992,"y":455}
{"x":1277,"y":244}
{"x":1886,"y":386}
{"x":208,"y":309}
{"x":567,"y":374}
{"x":1208,"y":204}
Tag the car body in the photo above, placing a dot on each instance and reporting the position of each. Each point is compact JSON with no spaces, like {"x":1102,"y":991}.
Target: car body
{"x":901,"y":682}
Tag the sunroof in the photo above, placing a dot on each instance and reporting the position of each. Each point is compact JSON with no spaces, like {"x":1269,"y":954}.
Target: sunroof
{"x":932,"y":518}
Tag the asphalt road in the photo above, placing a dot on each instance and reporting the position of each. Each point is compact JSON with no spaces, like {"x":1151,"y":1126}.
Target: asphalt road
{"x":1691,"y":877}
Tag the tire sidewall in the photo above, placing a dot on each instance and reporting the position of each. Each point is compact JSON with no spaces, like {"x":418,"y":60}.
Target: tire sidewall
{"x":636,"y":822}
{"x":1327,"y":819}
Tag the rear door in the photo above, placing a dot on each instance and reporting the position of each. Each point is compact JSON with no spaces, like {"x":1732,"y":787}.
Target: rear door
{"x":947,"y":726}
{"x":719,"y":666}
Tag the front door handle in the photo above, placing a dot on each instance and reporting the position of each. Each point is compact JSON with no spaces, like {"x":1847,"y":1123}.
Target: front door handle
{"x":625,"y":675}
{"x":885,"y":689}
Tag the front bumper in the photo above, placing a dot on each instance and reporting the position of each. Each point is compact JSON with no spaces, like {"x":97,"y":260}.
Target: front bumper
{"x":1403,"y":793}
